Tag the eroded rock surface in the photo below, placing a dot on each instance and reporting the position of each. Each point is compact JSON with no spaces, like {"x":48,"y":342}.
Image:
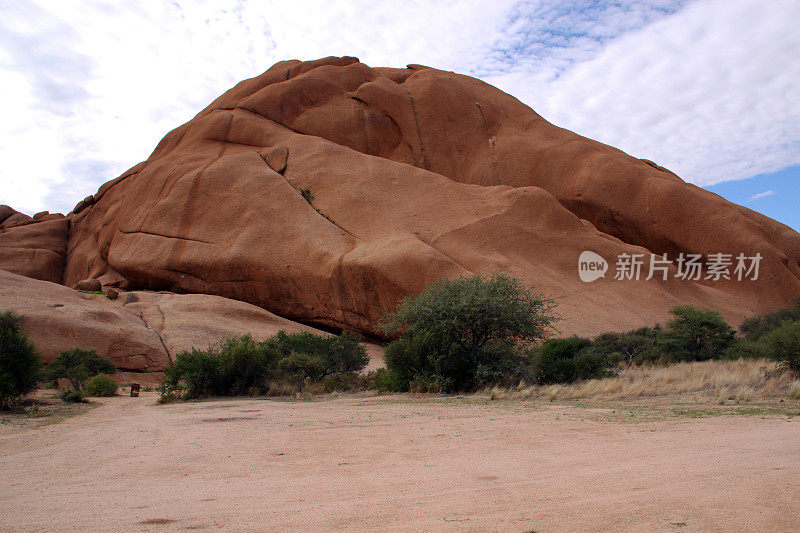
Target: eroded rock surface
{"x":33,"y":246}
{"x":412,"y":175}
{"x":140,"y":331}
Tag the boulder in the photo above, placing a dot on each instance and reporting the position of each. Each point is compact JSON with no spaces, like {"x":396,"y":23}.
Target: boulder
{"x":91,"y":285}
{"x":33,"y":248}
{"x":140,"y":331}
{"x":417,"y":174}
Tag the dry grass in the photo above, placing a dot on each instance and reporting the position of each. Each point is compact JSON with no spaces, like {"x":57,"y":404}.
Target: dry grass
{"x":738,"y":381}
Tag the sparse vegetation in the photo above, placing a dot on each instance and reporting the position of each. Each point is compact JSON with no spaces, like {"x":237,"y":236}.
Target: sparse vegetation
{"x":283,"y":364}
{"x":740,"y":381}
{"x":306,"y":194}
{"x":20,"y":363}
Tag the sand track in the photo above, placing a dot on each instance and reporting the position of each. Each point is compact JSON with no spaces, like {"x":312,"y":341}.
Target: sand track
{"x":396,"y":463}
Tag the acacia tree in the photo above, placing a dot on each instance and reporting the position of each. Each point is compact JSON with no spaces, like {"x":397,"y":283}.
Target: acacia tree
{"x":697,"y":334}
{"x":466,"y":330}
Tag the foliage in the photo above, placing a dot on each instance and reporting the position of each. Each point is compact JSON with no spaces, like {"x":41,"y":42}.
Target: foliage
{"x":634,"y":347}
{"x":466,"y":332}
{"x":20,"y":363}
{"x":567,"y":360}
{"x":756,"y":327}
{"x":743,"y":348}
{"x":336,"y":354}
{"x":101,"y":385}
{"x":73,"y":396}
{"x":242,"y":366}
{"x":783,"y":344}
{"x":306,"y":194}
{"x":77,"y":366}
{"x":696,"y":334}
{"x":389,"y":381}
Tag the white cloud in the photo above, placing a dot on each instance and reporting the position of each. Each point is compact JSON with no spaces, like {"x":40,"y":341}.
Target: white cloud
{"x":762,"y":195}
{"x":90,"y":87}
{"x":710,"y":92}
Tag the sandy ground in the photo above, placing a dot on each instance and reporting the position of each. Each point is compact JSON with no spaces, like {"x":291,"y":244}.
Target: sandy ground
{"x":397,"y":463}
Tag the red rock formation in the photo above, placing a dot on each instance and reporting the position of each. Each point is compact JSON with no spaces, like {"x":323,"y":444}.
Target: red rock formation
{"x":416,"y":174}
{"x":34,"y":247}
{"x":139,"y":332}
{"x":57,"y":318}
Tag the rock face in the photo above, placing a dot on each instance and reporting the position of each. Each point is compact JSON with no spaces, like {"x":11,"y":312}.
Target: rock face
{"x":91,"y":285}
{"x":141,"y":331}
{"x":324,"y":191}
{"x":58,"y":318}
{"x":34,"y":247}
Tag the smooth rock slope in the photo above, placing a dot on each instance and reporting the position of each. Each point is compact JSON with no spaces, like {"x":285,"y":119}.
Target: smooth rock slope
{"x":410,"y":175}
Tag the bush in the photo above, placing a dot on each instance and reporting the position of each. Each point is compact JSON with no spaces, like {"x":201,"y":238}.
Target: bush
{"x":101,"y":385}
{"x":20,"y":364}
{"x":635,"y":347}
{"x":568,"y":360}
{"x":744,"y":349}
{"x":466,"y":333}
{"x":77,"y":366}
{"x":783,"y":344}
{"x":242,"y":366}
{"x":753,"y":329}
{"x":696,"y":335}
{"x":389,"y":381}
{"x":73,"y":396}
{"x":335,"y":354}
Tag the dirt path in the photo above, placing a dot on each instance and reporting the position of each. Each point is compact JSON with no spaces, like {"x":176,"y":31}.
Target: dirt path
{"x":399,"y":464}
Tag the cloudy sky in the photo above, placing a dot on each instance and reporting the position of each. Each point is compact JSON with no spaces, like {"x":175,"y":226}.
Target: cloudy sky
{"x":707,"y":88}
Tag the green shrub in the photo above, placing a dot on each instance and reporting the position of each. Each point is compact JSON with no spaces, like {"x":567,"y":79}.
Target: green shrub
{"x":696,"y":335}
{"x":336,"y":354}
{"x":303,"y":365}
{"x":568,"y":360}
{"x":73,"y":396}
{"x":101,"y":385}
{"x":466,"y":333}
{"x":783,"y":344}
{"x":743,"y":348}
{"x":242,"y":366}
{"x":753,"y":329}
{"x":77,"y":366}
{"x":20,"y":364}
{"x":634,"y":347}
{"x":389,"y":381}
